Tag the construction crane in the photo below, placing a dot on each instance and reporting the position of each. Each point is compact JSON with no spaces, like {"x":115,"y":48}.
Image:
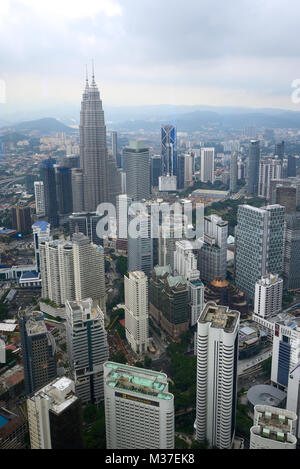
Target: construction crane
{"x":112,"y":323}
{"x":130,"y":362}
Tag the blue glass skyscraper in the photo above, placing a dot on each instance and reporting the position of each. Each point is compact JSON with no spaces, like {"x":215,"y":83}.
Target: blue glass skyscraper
{"x":168,"y":150}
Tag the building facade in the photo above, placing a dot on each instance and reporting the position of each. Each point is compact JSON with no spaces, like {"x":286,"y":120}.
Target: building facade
{"x":139,"y":410}
{"x":217,"y":357}
{"x":87,"y":349}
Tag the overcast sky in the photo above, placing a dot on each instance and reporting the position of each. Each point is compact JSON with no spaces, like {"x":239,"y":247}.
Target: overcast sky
{"x":214,"y":52}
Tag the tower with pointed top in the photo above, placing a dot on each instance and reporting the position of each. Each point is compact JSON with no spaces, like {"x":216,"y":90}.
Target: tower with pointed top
{"x":93,"y":150}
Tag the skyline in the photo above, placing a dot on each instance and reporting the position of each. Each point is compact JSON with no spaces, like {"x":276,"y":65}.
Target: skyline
{"x":246,"y":55}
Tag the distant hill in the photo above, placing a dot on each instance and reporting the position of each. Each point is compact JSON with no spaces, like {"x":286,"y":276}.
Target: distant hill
{"x":193,"y":121}
{"x":44,"y":126}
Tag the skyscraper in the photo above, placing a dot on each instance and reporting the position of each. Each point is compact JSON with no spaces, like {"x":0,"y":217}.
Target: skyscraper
{"x":89,"y":272}
{"x":273,"y":428}
{"x":139,"y":410}
{"x":279,"y":150}
{"x":286,"y":352}
{"x":268,"y":296}
{"x":39,"y":199}
{"x":64,"y":190}
{"x":77,"y":177}
{"x":87,"y":349}
{"x":49,"y":180}
{"x":212,"y":260}
{"x":259,"y":245}
{"x":21,"y":219}
{"x":138,"y":171}
{"x":93,"y":151}
{"x":38,"y":351}
{"x":291,"y":260}
{"x":292,"y":167}
{"x":136,"y":311}
{"x":41,"y":233}
{"x":207,"y":165}
{"x":233,"y":172}
{"x":140,"y":248}
{"x":57,"y":271}
{"x":55,"y":417}
{"x":269,"y":168}
{"x":169,"y":300}
{"x":169,"y":150}
{"x":217,"y":357}
{"x":253,"y":167}
{"x":86,"y":223}
{"x":293,"y":395}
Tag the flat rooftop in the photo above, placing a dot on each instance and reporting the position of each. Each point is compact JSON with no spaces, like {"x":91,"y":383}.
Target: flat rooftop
{"x":220,"y":317}
{"x":138,"y":381}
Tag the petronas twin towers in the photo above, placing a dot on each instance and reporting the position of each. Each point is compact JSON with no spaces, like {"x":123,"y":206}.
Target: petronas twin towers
{"x":94,"y":160}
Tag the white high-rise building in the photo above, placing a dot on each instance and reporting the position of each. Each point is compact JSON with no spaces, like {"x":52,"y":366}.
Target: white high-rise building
{"x":196,"y":299}
{"x":139,"y":410}
{"x":207,"y":165}
{"x":293,"y":395}
{"x":213,"y":253}
{"x":286,"y":352}
{"x":185,"y":261}
{"x":273,"y":428}
{"x":57,"y":271}
{"x":269,"y":169}
{"x":136,"y":311}
{"x":73,"y":270}
{"x":54,"y":416}
{"x":41,"y":232}
{"x":217,"y":357}
{"x":78,"y":190}
{"x":87,"y":349}
{"x":39,"y":199}
{"x":89,"y":270}
{"x":268,"y":296}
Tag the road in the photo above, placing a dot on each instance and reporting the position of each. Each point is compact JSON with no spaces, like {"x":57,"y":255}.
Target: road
{"x":245,"y":365}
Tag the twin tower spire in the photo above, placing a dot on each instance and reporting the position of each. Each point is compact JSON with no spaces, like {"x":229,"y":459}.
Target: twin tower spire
{"x":93,"y":83}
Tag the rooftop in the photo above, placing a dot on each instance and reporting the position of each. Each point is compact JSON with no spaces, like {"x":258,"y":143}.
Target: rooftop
{"x":138,"y":381}
{"x":220,"y":317}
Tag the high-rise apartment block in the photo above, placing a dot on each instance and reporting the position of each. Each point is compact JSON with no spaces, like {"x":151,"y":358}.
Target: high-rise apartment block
{"x":39,"y":199}
{"x":217,"y":357}
{"x":89,"y":270}
{"x":273,"y":428}
{"x":293,"y":395}
{"x":139,"y":410}
{"x":291,"y":262}
{"x":268,"y":296}
{"x":136,"y":311}
{"x":49,"y":181}
{"x":38,"y":351}
{"x":233,"y":172}
{"x":138,"y":171}
{"x":253,"y":167}
{"x":207,"y":164}
{"x":41,"y":233}
{"x":72,"y":270}
{"x":169,"y":299}
{"x":54,"y":417}
{"x":87,"y":349}
{"x":269,"y":169}
{"x":259,"y":245}
{"x":212,"y":260}
{"x":21,"y":219}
